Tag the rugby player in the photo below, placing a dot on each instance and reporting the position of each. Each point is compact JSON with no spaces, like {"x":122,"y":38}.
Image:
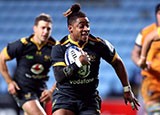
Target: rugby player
{"x":76,"y":94}
{"x":152,"y":92}
{"x":28,"y":86}
{"x":151,"y":77}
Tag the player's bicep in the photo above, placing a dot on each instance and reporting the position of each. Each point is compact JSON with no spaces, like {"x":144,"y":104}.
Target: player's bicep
{"x":15,"y":49}
{"x":107,"y":50}
{"x":58,"y":63}
{"x":57,"y":56}
{"x":4,"y":55}
{"x":116,"y":61}
{"x":3,"y":59}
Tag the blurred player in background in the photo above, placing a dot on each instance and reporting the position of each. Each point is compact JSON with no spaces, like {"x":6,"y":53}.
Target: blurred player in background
{"x":148,"y":93}
{"x":153,"y":82}
{"x":75,"y":93}
{"x":28,"y":86}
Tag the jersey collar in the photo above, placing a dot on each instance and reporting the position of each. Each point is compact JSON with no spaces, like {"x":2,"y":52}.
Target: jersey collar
{"x":76,"y":43}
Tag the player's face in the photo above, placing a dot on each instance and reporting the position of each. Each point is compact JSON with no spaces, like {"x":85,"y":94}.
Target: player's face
{"x":80,"y":29}
{"x":158,"y":17}
{"x":43,"y":30}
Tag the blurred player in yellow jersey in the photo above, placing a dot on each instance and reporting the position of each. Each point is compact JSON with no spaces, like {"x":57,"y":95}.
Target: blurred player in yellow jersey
{"x":150,"y":87}
{"x":152,"y":83}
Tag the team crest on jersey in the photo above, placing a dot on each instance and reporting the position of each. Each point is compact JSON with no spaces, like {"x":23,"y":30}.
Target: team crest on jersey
{"x":37,"y":68}
{"x":92,"y":57}
{"x":47,"y":57}
{"x":28,"y":95}
{"x":38,"y":53}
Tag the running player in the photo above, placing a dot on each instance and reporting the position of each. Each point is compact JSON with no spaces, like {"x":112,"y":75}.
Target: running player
{"x":152,"y":75}
{"x":76,"y":94}
{"x":28,"y":86}
{"x":152,"y":92}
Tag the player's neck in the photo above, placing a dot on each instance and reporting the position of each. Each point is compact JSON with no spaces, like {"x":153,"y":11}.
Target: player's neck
{"x":38,"y":41}
{"x":73,"y":38}
{"x":81,"y":43}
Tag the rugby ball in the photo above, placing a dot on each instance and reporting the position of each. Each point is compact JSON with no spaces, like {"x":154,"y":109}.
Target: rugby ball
{"x":72,"y":55}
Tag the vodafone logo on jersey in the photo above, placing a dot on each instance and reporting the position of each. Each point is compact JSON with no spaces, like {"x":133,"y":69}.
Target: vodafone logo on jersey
{"x":37,"y":68}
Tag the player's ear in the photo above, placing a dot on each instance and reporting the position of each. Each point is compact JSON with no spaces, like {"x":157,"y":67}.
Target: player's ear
{"x":34,"y":28}
{"x":70,"y":28}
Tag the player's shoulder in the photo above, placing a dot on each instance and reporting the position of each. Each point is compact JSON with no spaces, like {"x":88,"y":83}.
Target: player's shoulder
{"x":96,"y":40}
{"x":25,"y":40}
{"x":20,"y":42}
{"x":100,"y":43}
{"x":149,"y":28}
{"x":64,"y":43}
{"x":52,"y":41}
{"x":64,"y":40}
{"x":57,"y":48}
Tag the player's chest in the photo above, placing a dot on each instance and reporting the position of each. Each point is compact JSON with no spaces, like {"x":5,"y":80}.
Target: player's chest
{"x":35,"y":54}
{"x":93,"y":54}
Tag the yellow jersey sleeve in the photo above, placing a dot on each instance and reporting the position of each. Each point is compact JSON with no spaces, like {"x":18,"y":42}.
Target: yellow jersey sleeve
{"x":6,"y":53}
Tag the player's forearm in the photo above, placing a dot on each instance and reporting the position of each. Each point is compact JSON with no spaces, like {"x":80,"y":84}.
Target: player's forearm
{"x":121,"y":72}
{"x":135,"y":58}
{"x":63,"y":73}
{"x":53,"y":87}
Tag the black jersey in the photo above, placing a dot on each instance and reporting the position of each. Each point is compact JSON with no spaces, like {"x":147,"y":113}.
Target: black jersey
{"x":76,"y":84}
{"x":33,"y":62}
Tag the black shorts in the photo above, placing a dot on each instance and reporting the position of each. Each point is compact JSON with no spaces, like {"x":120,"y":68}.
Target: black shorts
{"x":90,"y":106}
{"x":23,"y":97}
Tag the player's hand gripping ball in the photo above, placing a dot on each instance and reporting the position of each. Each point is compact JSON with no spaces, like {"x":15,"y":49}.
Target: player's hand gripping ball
{"x":72,"y":55}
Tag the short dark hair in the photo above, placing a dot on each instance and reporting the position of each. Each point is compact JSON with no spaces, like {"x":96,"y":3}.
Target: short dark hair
{"x":73,"y":13}
{"x":44,"y":17}
{"x":157,"y":8}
